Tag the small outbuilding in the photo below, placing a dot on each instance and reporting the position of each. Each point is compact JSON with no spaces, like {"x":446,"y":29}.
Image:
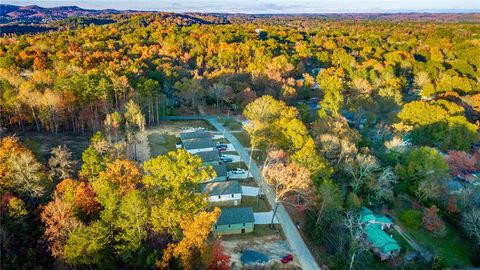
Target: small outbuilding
{"x":235,"y":221}
{"x":228,"y":193}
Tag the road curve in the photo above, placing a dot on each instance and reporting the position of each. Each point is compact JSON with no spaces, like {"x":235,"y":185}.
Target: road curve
{"x":294,"y":238}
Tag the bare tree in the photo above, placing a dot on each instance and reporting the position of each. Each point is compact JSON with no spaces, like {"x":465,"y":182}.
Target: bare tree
{"x":361,"y":167}
{"x":383,"y":186}
{"x":27,"y":174}
{"x":60,"y":163}
{"x":288,"y":179}
{"x":471,"y":223}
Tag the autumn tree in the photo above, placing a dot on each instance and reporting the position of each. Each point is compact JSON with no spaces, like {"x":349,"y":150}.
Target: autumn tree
{"x":171,"y":178}
{"x":289,"y":180}
{"x":432,"y":222}
{"x":59,"y":219}
{"x":60,"y":163}
{"x":219,"y":260}
{"x":195,"y":231}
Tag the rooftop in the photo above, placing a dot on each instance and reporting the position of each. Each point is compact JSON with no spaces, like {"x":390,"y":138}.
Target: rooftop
{"x":236,"y":215}
{"x":198,"y":143}
{"x":221,"y":188}
{"x":221,"y":170}
{"x":194,"y":135}
{"x":209,"y":156}
{"x":380,"y":239}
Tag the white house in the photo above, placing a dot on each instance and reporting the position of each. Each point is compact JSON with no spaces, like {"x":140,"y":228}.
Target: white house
{"x":226,"y":193}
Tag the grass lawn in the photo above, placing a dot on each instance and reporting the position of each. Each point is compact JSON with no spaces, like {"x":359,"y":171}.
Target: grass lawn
{"x":230,"y":123}
{"x":258,"y":231}
{"x":249,"y":201}
{"x":243,"y":138}
{"x":452,"y":248}
{"x":161,"y":144}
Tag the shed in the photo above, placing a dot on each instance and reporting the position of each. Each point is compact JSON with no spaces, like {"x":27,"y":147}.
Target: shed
{"x":228,"y":193}
{"x":234,"y":221}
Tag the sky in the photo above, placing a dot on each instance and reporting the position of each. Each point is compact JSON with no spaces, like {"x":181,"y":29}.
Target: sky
{"x":267,"y":6}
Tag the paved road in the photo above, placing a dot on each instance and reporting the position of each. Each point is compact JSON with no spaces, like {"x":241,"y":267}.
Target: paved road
{"x":294,"y":238}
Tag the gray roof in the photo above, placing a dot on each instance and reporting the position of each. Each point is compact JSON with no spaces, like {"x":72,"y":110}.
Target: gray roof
{"x":209,"y":156}
{"x":235,"y":215}
{"x":221,"y":170}
{"x":194,"y":135}
{"x":221,"y":188}
{"x":198,"y":143}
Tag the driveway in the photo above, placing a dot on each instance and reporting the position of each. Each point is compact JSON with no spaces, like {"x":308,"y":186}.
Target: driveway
{"x":292,"y":235}
{"x":249,"y":191}
{"x":235,"y":158}
{"x":262,"y":218}
{"x":238,"y":175}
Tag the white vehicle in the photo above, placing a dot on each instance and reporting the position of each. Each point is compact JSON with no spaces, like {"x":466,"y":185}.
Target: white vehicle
{"x":238,"y":171}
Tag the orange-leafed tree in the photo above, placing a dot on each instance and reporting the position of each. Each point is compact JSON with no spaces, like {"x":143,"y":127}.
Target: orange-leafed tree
{"x":432,"y":222}
{"x":59,"y":220}
{"x":85,"y":199}
{"x":460,"y":162}
{"x":452,"y":205}
{"x":195,"y":232}
{"x":122,"y":173}
{"x":220,"y":260}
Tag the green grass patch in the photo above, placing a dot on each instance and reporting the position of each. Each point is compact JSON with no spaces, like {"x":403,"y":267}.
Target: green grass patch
{"x":249,"y":201}
{"x":161,"y":144}
{"x":243,"y":138}
{"x":230,"y":123}
{"x":258,"y":231}
{"x":454,"y":249}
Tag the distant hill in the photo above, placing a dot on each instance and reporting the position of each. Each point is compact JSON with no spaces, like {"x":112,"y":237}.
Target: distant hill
{"x":36,"y":14}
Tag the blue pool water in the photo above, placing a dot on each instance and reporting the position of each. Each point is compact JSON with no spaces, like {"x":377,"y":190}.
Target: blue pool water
{"x":252,"y":256}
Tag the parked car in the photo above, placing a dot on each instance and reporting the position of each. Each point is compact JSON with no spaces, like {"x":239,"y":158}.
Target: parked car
{"x":225,"y":159}
{"x":222,"y":147}
{"x":287,"y":258}
{"x":238,"y":171}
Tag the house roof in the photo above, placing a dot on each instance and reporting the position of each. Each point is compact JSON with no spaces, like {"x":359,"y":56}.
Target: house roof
{"x":381,"y":240}
{"x":198,"y":143}
{"x":235,"y":215}
{"x":366,"y":215}
{"x":221,"y":188}
{"x":220,"y":169}
{"x":194,"y":135}
{"x":209,"y":156}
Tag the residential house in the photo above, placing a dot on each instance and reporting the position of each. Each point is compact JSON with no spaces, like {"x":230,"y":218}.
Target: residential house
{"x":234,"y":221}
{"x":209,"y":157}
{"x":368,"y":217}
{"x":221,"y":171}
{"x":194,"y":135}
{"x":199,"y":145}
{"x":228,"y":193}
{"x":381,"y":243}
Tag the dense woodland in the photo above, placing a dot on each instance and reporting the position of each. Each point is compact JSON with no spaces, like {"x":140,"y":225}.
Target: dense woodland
{"x":399,"y":104}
